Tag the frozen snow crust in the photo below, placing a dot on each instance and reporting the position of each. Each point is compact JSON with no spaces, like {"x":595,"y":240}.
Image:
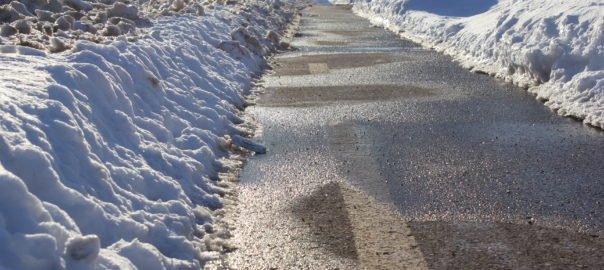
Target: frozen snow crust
{"x":554,"y":48}
{"x":109,"y":153}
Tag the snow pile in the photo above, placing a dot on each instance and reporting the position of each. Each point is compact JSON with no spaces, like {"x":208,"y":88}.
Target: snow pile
{"x":57,"y":24}
{"x":554,"y":48}
{"x":110,"y":154}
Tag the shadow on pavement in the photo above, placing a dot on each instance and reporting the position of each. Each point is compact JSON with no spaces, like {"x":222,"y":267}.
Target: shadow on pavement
{"x":324,"y":212}
{"x":469,"y":245}
{"x":324,"y":95}
{"x":294,"y":66}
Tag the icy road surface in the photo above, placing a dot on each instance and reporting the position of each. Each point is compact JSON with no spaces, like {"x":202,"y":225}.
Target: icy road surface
{"x":384,"y":155}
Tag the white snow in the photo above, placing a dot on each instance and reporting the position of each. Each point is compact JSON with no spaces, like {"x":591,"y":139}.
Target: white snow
{"x":109,"y":152}
{"x":554,"y":48}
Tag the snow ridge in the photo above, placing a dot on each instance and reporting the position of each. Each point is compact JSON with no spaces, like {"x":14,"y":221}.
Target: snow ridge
{"x":553,"y":48}
{"x":109,"y":152}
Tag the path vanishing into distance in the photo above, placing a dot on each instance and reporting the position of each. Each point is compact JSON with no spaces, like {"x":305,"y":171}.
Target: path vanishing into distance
{"x":386,"y":155}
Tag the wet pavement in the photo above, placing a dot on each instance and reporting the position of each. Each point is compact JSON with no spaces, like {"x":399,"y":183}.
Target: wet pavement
{"x":384,"y":155}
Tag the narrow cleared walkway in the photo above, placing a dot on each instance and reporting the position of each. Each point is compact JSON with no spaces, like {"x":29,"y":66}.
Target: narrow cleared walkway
{"x":384,"y":155}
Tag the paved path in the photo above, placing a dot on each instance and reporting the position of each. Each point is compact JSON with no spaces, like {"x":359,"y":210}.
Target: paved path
{"x":384,"y":155}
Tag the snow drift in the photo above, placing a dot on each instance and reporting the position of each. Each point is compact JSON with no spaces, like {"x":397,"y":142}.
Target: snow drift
{"x":109,"y":153}
{"x":554,"y":48}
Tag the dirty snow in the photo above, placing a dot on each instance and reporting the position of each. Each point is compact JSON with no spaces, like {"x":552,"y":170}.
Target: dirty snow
{"x":110,"y":151}
{"x":553,"y":48}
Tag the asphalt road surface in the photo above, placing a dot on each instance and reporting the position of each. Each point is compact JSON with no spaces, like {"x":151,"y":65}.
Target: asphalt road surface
{"x":385,"y":155}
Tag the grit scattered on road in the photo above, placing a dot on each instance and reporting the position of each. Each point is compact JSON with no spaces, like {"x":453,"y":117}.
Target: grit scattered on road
{"x":383,"y":155}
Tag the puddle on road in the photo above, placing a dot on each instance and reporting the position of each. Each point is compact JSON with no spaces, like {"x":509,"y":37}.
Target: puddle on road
{"x":293,"y":66}
{"x":322,"y":95}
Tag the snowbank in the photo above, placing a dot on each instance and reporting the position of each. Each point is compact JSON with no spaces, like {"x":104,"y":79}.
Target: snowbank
{"x":109,"y":153}
{"x":554,"y":48}
{"x":57,"y":24}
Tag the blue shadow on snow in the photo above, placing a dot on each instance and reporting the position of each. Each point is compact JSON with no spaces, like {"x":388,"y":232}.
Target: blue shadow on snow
{"x":459,"y":8}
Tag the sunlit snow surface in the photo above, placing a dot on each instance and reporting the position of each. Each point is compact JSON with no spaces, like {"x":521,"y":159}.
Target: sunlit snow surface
{"x":107,"y":152}
{"x":556,"y":48}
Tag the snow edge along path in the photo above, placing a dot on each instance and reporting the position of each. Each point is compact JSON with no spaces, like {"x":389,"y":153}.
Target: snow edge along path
{"x":109,"y":153}
{"x":553,"y":48}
